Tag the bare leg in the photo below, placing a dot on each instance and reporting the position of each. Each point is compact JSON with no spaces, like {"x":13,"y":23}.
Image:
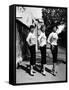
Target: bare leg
{"x":31,"y":70}
{"x":54,"y":69}
{"x":43,"y":70}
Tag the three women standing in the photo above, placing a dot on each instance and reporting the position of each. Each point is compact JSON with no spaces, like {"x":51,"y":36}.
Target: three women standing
{"x":52,"y":40}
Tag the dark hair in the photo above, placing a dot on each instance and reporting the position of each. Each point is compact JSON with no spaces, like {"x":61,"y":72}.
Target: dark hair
{"x":54,"y":25}
{"x":32,"y":26}
{"x":42,"y":27}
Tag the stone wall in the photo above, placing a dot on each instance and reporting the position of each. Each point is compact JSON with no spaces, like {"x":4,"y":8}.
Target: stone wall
{"x":22,"y":50}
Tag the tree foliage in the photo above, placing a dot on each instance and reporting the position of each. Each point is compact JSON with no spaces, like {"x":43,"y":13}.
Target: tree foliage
{"x":54,"y":15}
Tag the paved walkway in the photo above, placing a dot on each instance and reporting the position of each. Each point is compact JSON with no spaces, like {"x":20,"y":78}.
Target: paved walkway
{"x":23,"y":76}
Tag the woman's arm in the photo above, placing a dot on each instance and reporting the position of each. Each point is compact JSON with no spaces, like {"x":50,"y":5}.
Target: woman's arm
{"x":39,"y":38}
{"x":49,"y":38}
{"x":28,"y":39}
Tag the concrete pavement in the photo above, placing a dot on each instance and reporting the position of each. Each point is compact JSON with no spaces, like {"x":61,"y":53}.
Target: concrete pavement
{"x":23,"y":76}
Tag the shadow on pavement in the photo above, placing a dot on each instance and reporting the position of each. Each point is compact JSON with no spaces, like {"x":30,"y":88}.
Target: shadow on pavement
{"x":37,"y":68}
{"x":61,"y":61}
{"x":25,"y":68}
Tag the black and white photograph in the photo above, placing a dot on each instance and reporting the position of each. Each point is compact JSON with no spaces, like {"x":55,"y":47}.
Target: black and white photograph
{"x":41,"y":44}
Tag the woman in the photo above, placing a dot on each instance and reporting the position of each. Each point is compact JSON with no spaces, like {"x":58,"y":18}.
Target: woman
{"x":42,"y":45}
{"x":31,"y":40}
{"x":52,"y":40}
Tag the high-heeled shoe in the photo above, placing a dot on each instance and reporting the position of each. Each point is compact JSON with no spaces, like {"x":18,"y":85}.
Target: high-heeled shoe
{"x":53,"y":72}
{"x":43,"y":73}
{"x":31,"y":73}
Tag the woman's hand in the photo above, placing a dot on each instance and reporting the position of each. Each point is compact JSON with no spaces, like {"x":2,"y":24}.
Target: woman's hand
{"x":52,"y":47}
